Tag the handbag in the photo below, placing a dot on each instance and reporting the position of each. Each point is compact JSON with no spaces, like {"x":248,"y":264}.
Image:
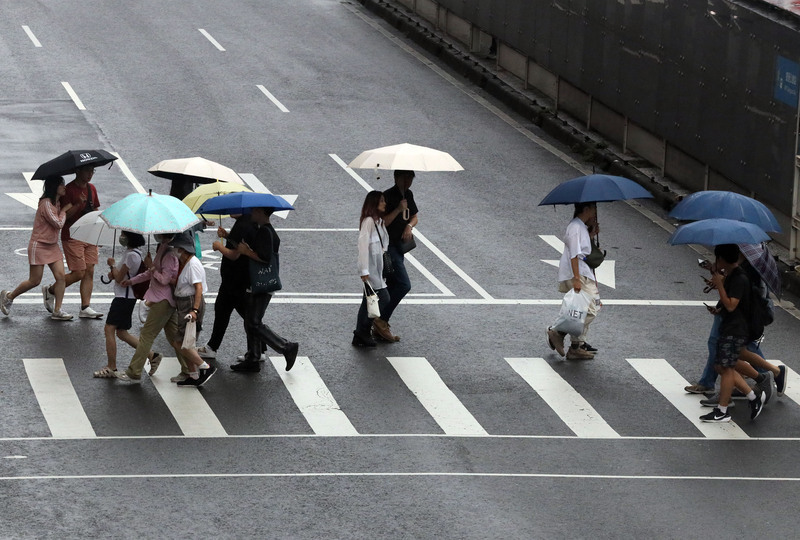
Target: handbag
{"x":373,"y":310}
{"x":388,"y":266}
{"x":596,"y":257}
{"x":265,"y":277}
{"x":190,"y":336}
{"x":405,"y":247}
{"x":572,"y":316}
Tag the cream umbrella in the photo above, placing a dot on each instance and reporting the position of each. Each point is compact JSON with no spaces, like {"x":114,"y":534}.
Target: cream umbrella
{"x":406,"y":156}
{"x":198,"y":170}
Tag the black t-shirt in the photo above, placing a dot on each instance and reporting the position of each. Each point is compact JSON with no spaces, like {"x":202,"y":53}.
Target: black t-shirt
{"x":393,"y":198}
{"x":237,"y":271}
{"x":264,"y":241}
{"x":734,"y":323}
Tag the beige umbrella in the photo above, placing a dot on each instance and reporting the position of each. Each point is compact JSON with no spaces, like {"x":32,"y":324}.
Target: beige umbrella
{"x":195,"y":169}
{"x":207,"y":191}
{"x":406,"y":156}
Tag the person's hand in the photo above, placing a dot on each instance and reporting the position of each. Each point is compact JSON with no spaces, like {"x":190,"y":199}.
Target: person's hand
{"x":221,"y":232}
{"x":208,"y":223}
{"x":717,"y":280}
{"x":110,"y":275}
{"x":111,"y":262}
{"x":217,"y":245}
{"x":403,"y":206}
{"x":124,"y":282}
{"x":243,"y":248}
{"x":148,"y":261}
{"x":408,"y":233}
{"x":365,"y":278}
{"x":191,"y":316}
{"x":576,"y":284}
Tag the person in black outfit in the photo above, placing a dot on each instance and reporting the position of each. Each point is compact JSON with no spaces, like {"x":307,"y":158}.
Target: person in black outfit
{"x":260,"y":246}
{"x":234,"y":271}
{"x":399,"y":224}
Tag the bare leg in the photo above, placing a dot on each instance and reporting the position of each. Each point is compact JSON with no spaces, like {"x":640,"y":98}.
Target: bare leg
{"x":758,"y":362}
{"x":34,"y":278}
{"x":111,"y":346}
{"x":87,"y":285}
{"x":743,"y":368}
{"x":57,"y":268}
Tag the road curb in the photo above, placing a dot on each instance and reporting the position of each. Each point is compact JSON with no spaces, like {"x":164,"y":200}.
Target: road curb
{"x":595,"y":153}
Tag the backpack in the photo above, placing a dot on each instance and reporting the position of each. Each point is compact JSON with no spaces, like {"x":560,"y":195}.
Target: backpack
{"x":140,"y":288}
{"x":760,"y":312}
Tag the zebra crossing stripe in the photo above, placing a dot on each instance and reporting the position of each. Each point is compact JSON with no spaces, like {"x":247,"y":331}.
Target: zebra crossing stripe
{"x":187,"y":405}
{"x":440,"y":402}
{"x":670,"y":384}
{"x":57,"y":398}
{"x":792,"y":390}
{"x":313,"y":398}
{"x":565,"y":401}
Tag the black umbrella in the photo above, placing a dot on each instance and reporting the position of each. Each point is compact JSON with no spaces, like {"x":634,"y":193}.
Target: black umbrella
{"x":69,"y":161}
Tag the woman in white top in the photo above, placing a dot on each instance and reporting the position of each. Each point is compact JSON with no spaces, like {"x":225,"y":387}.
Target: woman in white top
{"x":190,"y":288}
{"x":373,"y":240}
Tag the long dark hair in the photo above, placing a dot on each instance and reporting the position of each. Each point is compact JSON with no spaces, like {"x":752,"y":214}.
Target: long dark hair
{"x":135,"y":240}
{"x":50,"y":191}
{"x":370,"y":206}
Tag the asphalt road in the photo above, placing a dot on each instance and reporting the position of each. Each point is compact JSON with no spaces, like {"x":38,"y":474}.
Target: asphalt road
{"x":469,"y":427}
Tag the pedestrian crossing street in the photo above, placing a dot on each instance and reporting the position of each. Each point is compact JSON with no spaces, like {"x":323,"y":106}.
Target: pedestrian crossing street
{"x":63,"y":411}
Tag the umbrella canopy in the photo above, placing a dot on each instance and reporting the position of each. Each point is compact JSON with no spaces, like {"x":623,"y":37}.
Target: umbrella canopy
{"x":150,"y":213}
{"x":201,"y":194}
{"x":92,"y":229}
{"x":716,"y":231}
{"x":406,"y":157}
{"x":242,"y":203}
{"x":69,"y":161}
{"x":764,"y":263}
{"x":195,"y":169}
{"x":725,"y":204}
{"x":595,"y":188}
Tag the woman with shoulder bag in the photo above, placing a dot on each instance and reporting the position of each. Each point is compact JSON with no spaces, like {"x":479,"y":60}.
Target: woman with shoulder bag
{"x":373,"y":240}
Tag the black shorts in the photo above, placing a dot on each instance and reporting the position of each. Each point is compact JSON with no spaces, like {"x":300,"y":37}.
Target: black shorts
{"x":119,"y":314}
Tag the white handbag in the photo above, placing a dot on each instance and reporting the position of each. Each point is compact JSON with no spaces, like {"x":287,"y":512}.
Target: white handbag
{"x":373,"y":311}
{"x":190,"y":337}
{"x":572,"y":316}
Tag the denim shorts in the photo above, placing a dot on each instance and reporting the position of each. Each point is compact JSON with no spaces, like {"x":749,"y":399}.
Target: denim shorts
{"x":728,"y":349}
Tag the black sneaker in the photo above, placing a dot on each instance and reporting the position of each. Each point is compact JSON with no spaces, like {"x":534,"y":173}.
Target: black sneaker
{"x":205,"y":374}
{"x":249,"y":366}
{"x":362,"y":340}
{"x":189,"y":382}
{"x":291,"y":355}
{"x":716,"y":416}
{"x":780,"y":380}
{"x":586,"y":347}
{"x":757,"y":405}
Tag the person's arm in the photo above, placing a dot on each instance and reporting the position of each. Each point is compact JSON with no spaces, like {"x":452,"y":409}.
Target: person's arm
{"x":576,"y":273}
{"x":364,"y":237}
{"x":408,"y":233}
{"x":169,"y":270}
{"x":728,"y":302}
{"x":389,"y":217}
{"x":53,"y":216}
{"x":228,"y":253}
{"x":198,"y":300}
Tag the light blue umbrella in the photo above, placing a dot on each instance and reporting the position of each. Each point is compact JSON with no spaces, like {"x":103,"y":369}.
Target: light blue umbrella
{"x":150,"y":213}
{"x":725,"y":204}
{"x":242,"y":202}
{"x":716,"y":231}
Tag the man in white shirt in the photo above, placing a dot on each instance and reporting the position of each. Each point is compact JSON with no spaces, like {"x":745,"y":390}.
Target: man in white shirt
{"x":574,"y":273}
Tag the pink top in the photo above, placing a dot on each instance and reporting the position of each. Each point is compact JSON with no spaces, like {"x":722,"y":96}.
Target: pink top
{"x":162,"y":276}
{"x":48,"y":221}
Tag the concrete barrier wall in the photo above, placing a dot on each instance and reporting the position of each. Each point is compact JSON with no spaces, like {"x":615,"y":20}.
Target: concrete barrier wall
{"x":692,"y":87}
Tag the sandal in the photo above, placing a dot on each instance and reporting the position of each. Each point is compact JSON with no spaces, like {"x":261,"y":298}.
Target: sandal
{"x":106,"y":373}
{"x":154,"y":363}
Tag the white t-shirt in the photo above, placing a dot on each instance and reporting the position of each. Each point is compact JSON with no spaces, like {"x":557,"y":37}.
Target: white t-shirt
{"x":192,"y":273}
{"x":576,"y":243}
{"x":132,"y":259}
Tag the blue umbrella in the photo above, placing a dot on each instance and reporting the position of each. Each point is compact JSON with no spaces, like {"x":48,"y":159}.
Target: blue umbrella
{"x":595,"y":188}
{"x":725,"y":204}
{"x":716,"y":231}
{"x":242,"y":202}
{"x":150,"y":213}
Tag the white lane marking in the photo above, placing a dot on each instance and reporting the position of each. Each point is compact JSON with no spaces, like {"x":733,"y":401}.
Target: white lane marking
{"x":31,"y":36}
{"x":73,"y":95}
{"x":670,"y":384}
{"x":57,"y":398}
{"x":566,"y":402}
{"x":211,"y":39}
{"x":128,"y":174}
{"x":792,"y":390}
{"x":30,"y":199}
{"x":425,"y":272}
{"x":440,"y":402}
{"x":313,"y":398}
{"x":272,"y":98}
{"x":421,"y":237}
{"x":187,"y":405}
{"x":257,"y":186}
{"x":605,"y":273}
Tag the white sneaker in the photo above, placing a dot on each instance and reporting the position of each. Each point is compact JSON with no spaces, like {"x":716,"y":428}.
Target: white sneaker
{"x":207,"y":353}
{"x":49,"y":299}
{"x":61,"y":316}
{"x":5,"y":303}
{"x":89,"y":313}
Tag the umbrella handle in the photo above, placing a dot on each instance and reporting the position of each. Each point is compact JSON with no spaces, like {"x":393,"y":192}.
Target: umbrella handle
{"x":103,"y":279}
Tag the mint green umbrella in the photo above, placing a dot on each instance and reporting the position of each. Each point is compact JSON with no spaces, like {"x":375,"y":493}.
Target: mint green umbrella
{"x":150,"y":213}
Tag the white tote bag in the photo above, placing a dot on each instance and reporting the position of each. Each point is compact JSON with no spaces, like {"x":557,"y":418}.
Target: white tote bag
{"x":572,"y":316}
{"x":373,"y":311}
{"x":190,"y":337}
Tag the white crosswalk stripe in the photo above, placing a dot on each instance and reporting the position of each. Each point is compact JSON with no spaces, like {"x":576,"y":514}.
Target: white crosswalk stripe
{"x":57,"y":399}
{"x":187,"y":405}
{"x":313,"y":397}
{"x":440,"y":402}
{"x":670,"y":384}
{"x":567,"y":403}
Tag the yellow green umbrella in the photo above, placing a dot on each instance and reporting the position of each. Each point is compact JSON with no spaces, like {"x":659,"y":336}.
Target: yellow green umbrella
{"x":196,"y":198}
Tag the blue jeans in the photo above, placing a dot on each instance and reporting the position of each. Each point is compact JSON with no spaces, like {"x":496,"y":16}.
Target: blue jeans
{"x":364,"y":323}
{"x":709,"y":378}
{"x":397,"y":284}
